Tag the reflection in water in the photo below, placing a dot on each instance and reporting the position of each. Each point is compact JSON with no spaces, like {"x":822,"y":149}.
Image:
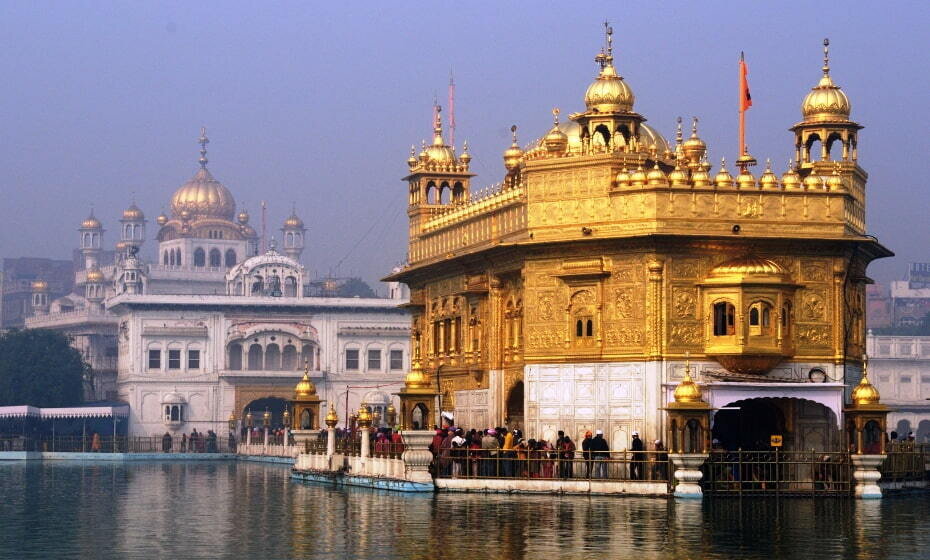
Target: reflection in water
{"x":248,"y":510}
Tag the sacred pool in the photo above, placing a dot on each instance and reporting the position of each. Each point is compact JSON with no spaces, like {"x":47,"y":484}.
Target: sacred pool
{"x":237,"y":509}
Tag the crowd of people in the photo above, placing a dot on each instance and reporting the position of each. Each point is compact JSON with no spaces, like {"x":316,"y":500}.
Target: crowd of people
{"x":506,"y":453}
{"x":197,"y":442}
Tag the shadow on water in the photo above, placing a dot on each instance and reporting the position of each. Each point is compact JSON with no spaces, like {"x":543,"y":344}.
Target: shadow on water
{"x":248,"y":510}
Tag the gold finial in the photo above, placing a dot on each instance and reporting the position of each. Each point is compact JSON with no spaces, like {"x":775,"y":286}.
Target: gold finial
{"x":203,"y":141}
{"x":687,"y":391}
{"x":555,"y":116}
{"x":331,"y":418}
{"x":865,"y":393}
{"x":826,"y":57}
{"x":678,"y":134}
{"x":305,"y":388}
{"x":513,"y":132}
{"x":610,"y":40}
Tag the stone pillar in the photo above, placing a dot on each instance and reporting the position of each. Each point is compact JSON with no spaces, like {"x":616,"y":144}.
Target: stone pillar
{"x":866,"y":475}
{"x":330,"y":441}
{"x":366,"y":443}
{"x":688,"y":474}
{"x":417,"y":456}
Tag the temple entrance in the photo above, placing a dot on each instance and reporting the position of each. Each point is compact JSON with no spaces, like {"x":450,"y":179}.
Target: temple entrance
{"x":749,"y":425}
{"x":515,"y":406}
{"x":273,"y":405}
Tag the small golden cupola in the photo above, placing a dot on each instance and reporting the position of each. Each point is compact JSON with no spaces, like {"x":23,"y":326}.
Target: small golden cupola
{"x":514,"y":154}
{"x":748,"y":301}
{"x":694,"y":148}
{"x":687,"y":390}
{"x":556,"y":141}
{"x":865,"y":394}
{"x":608,"y":93}
{"x":825,"y":122}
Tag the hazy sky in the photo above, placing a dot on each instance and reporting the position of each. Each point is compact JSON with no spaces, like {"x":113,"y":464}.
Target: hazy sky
{"x":318,"y":104}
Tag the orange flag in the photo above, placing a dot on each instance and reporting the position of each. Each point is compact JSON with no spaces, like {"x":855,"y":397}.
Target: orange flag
{"x":745,"y":100}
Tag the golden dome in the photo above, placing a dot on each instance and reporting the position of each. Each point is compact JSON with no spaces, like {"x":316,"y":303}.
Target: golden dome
{"x":465,"y":157}
{"x":835,"y":182}
{"x":723,"y":177}
{"x":813,"y":182}
{"x":91,"y":222}
{"x":623,"y":179}
{"x":768,"y":180}
{"x":677,"y":177}
{"x":243,"y":217}
{"x":790,"y":179}
{"x":121,"y":245}
{"x":701,"y":177}
{"x":438,"y":151}
{"x":650,"y":138}
{"x":687,"y":391}
{"x":748,"y":266}
{"x":363,"y":417}
{"x":638,"y":177}
{"x":826,"y":101}
{"x":656,"y":177}
{"x":694,"y":148}
{"x":745,"y":180}
{"x":556,"y":141}
{"x":293,"y":222}
{"x":40,"y":286}
{"x":412,"y":160}
{"x":161,"y":219}
{"x":94,"y":275}
{"x":305,"y":389}
{"x":609,"y":93}
{"x":513,"y":154}
{"x":204,"y":197}
{"x":331,"y":418}
{"x":133,"y":213}
{"x":415,"y":378}
{"x":865,"y":393}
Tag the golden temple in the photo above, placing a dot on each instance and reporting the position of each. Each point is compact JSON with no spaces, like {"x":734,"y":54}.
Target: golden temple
{"x":567,"y":295}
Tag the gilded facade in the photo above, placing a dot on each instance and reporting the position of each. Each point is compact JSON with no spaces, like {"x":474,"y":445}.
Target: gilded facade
{"x":570,"y":294}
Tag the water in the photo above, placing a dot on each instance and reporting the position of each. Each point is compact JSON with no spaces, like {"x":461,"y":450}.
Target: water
{"x":251,"y":510}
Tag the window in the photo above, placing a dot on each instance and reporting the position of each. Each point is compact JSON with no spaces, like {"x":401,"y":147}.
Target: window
{"x":193,"y":359}
{"x":200,"y":257}
{"x":174,"y":359}
{"x":174,"y":413}
{"x":230,"y":258}
{"x":352,"y":359}
{"x":374,"y":360}
{"x":397,"y":359}
{"x":905,"y":379}
{"x":760,"y":319}
{"x":215,"y":259}
{"x":155,"y":359}
{"x":724,"y":319}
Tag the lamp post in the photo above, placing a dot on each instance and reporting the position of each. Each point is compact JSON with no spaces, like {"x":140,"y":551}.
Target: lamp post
{"x":331,"y":421}
{"x":391,"y":416}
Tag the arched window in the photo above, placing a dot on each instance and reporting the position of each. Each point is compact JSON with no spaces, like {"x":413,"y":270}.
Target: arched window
{"x":724,"y":319}
{"x":306,"y":355}
{"x":235,"y":356}
{"x":230,"y":258}
{"x":200,"y":257}
{"x":272,"y":357}
{"x":255,"y":357}
{"x":258,"y":286}
{"x":289,"y":358}
{"x":760,"y":319}
{"x":290,"y":286}
{"x":165,"y":258}
{"x":589,"y":328}
{"x":215,"y":258}
{"x":177,"y":257}
{"x":579,"y":328}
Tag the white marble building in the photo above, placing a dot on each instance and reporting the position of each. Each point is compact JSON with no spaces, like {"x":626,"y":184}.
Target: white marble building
{"x":899,"y":366}
{"x":210,"y":328}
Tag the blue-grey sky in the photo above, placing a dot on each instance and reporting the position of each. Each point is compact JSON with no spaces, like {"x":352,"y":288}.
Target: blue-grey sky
{"x":318,"y":104}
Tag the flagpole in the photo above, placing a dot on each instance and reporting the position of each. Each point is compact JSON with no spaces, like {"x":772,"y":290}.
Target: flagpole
{"x":742,"y":109}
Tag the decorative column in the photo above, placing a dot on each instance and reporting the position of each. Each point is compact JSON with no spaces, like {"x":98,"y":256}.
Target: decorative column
{"x":657,"y":314}
{"x":248,"y":431}
{"x":266,"y":422}
{"x":865,"y":428}
{"x":417,"y":393}
{"x":689,"y":436}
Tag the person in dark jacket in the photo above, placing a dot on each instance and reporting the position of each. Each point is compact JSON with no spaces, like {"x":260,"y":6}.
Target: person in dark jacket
{"x":636,"y":467}
{"x":166,"y":443}
{"x":600,"y":452}
{"x":586,"y":453}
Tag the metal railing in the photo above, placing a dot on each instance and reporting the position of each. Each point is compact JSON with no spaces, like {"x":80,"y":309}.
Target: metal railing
{"x":905,"y":462}
{"x":651,"y":466}
{"x":120,"y":444}
{"x":777,"y":472}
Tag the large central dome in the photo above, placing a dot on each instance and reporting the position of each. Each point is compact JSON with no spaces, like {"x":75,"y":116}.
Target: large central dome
{"x":204,"y":197}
